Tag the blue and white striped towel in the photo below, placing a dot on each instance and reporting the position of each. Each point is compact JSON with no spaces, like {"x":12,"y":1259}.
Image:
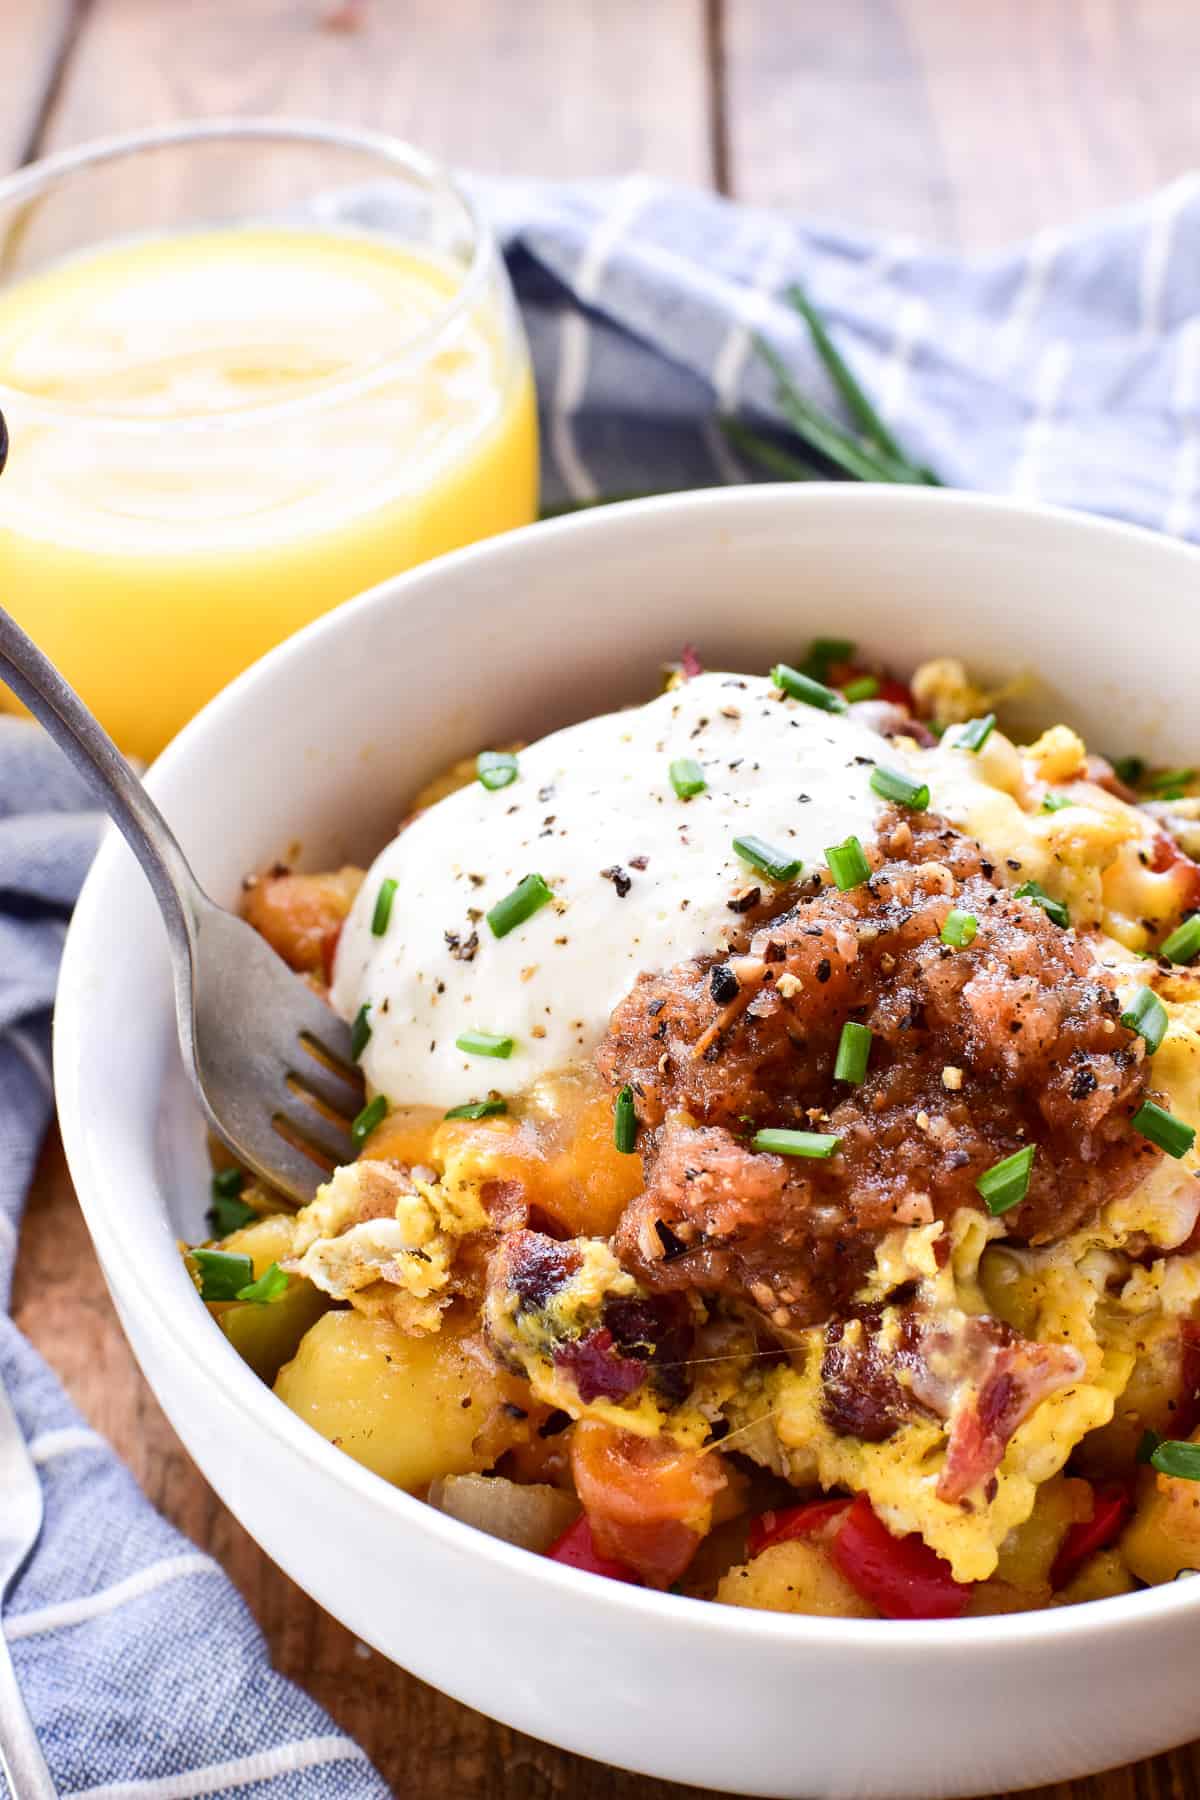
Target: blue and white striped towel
{"x":1069,"y":370}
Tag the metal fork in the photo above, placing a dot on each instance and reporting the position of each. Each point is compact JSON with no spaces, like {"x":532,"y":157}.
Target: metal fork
{"x":20,"y":1523}
{"x":269,"y":1060}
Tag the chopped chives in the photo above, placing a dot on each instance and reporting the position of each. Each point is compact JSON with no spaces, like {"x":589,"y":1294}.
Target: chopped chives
{"x":1006,"y":1183}
{"x":1055,"y":802}
{"x":959,"y":928}
{"x":892,"y":784}
{"x":228,"y":1183}
{"x":372,"y":1114}
{"x":223,"y":1273}
{"x":495,"y":769}
{"x":1176,"y":1456}
{"x":479,"y":1109}
{"x":360,"y":1031}
{"x":975,"y":734}
{"x":1129,"y":769}
{"x":269,"y":1286}
{"x":528,"y":897}
{"x":848,"y":864}
{"x":803,"y":687}
{"x":1169,"y":783}
{"x":1183,"y":945}
{"x":776,"y":865}
{"x":824,"y":652}
{"x":854,"y":1052}
{"x":1148,"y":1017}
{"x":625,"y":1123}
{"x":687,"y":777}
{"x":383,"y":906}
{"x":1163,"y":1129}
{"x":228,"y":1214}
{"x":864,"y":688}
{"x":1053,"y":909}
{"x":818,"y":1144}
{"x":1147,"y":1444}
{"x":483,"y":1043}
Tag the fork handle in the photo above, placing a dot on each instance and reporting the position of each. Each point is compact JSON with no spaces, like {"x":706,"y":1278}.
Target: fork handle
{"x":20,"y":1756}
{"x":34,"y":679}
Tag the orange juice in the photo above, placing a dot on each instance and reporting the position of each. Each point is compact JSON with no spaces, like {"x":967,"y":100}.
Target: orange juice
{"x":218,"y":435}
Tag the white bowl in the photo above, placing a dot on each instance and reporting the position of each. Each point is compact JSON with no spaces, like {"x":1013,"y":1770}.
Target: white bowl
{"x":320,"y":745}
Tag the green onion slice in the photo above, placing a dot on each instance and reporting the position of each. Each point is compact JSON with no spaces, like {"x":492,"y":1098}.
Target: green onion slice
{"x":228,"y":1183}
{"x":271,"y":1284}
{"x":776,"y":865}
{"x":865,"y":687}
{"x":1055,"y":802}
{"x":484,"y":1043}
{"x":372,"y":1114}
{"x":1053,"y":909}
{"x":823,"y":653}
{"x":495,"y":769}
{"x":223,"y":1273}
{"x":1129,"y":769}
{"x":1148,"y":1017}
{"x":891,"y":784}
{"x":803,"y":687}
{"x":975,"y":734}
{"x":528,"y":897}
{"x":1163,"y":1129}
{"x":625,"y":1123}
{"x":1183,"y":945}
{"x":1006,"y":1183}
{"x":383,"y":906}
{"x":228,"y":1214}
{"x":819,"y":1144}
{"x":687,"y":777}
{"x":360,"y":1031}
{"x":1175,"y":1456}
{"x":1169,"y":783}
{"x":848,"y":864}
{"x":854,"y":1052}
{"x":1147,"y":1444}
{"x":959,"y":928}
{"x":479,"y":1109}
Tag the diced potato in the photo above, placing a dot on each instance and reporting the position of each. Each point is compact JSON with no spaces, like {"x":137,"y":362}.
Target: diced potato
{"x":1028,"y":1552}
{"x":299,"y":915}
{"x":1102,"y":1575}
{"x":991,"y":1597}
{"x":265,"y":1242}
{"x":266,"y":1335}
{"x":1149,"y":1403}
{"x":1164,"y":1534}
{"x":411,"y":1408}
{"x":533,"y":1517}
{"x":796,"y":1577}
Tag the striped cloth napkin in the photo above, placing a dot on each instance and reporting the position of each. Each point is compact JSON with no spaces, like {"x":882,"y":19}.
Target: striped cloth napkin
{"x":1068,"y":370}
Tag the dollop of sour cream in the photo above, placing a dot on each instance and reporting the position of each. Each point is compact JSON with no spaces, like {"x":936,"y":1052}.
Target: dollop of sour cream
{"x":641,"y":878}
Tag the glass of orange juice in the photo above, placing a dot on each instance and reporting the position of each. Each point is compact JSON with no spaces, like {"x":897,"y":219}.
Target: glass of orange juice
{"x":249,"y":369}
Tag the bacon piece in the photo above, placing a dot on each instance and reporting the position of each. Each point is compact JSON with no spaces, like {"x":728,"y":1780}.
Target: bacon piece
{"x":1021,"y":1376}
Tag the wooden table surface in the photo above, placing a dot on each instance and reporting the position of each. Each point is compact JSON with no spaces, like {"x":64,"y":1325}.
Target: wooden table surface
{"x":964,"y":121}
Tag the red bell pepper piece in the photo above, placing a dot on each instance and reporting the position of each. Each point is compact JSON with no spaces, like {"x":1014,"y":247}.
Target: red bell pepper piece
{"x":1111,"y":1506}
{"x":902,"y":1577}
{"x":577,"y":1550}
{"x":793,"y":1522}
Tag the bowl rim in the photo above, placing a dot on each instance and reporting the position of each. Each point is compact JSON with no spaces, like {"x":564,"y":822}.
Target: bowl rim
{"x":215,"y":1358}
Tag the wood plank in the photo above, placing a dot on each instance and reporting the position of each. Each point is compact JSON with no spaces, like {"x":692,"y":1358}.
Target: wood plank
{"x":34,"y":34}
{"x":971,"y":125}
{"x":535,"y":88}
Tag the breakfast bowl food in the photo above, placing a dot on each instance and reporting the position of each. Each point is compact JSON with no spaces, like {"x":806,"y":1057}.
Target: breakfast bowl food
{"x":838,"y":1289}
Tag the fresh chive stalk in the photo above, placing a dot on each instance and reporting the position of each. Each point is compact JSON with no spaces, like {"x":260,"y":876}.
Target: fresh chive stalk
{"x":1054,"y":910}
{"x":687,"y":777}
{"x":223,"y":1273}
{"x":625,"y":1125}
{"x":891,"y":784}
{"x":1163,"y":1129}
{"x":228,"y":1214}
{"x":803,"y":687}
{"x":383,"y":906}
{"x":271,"y":1285}
{"x":528,"y":897}
{"x":854,"y":1053}
{"x":1183,"y":944}
{"x":1006,"y":1183}
{"x":372,"y":1114}
{"x":864,"y":687}
{"x":814,"y":1144}
{"x":975,"y":733}
{"x":1148,"y":1017}
{"x":479,"y":1109}
{"x":1177,"y":1457}
{"x":495,"y":769}
{"x":483,"y":1043}
{"x":1053,"y":803}
{"x":776,"y":865}
{"x":848,"y":864}
{"x":360,"y":1031}
{"x":959,"y":928}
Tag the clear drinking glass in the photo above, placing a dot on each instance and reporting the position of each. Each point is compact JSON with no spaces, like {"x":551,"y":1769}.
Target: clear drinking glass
{"x":249,"y":368}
